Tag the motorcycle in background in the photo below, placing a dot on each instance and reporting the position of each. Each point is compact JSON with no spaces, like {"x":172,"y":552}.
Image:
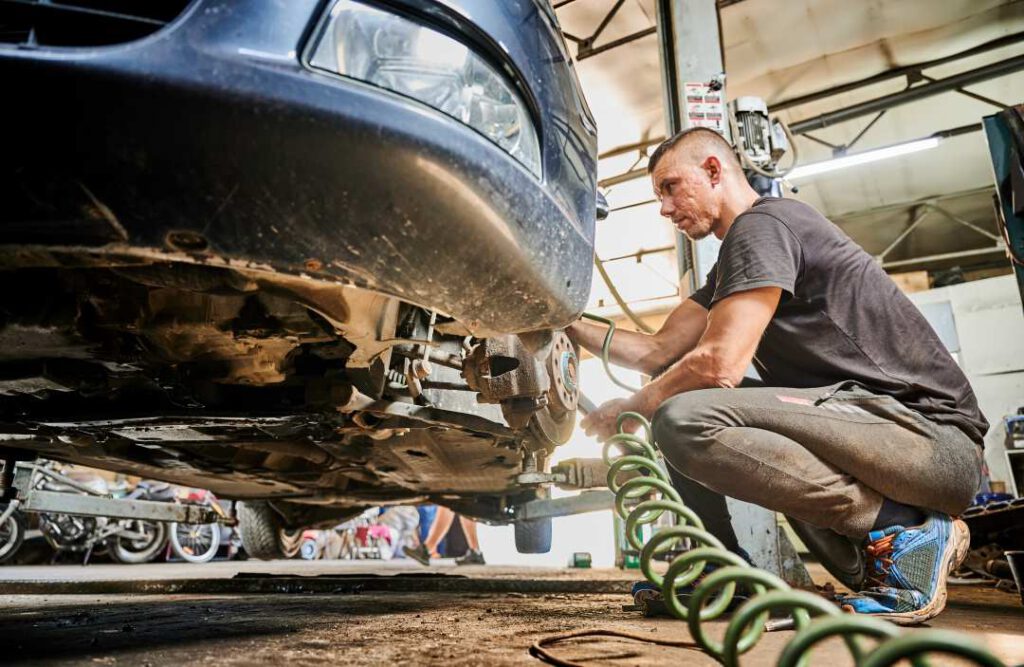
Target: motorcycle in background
{"x":12,"y":531}
{"x":199,"y":543}
{"x":124,"y":540}
{"x":127,"y":541}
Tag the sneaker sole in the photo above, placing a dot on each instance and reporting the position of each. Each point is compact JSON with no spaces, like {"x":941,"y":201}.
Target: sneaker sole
{"x":952,"y":557}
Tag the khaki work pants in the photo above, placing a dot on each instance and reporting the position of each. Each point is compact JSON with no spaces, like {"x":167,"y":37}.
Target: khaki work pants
{"x":827,"y":455}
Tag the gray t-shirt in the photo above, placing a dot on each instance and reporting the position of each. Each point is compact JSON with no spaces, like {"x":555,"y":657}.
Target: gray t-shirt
{"x":841,"y":318}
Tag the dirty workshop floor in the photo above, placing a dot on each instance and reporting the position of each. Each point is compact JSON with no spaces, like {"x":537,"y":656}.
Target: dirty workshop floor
{"x":354,"y":616}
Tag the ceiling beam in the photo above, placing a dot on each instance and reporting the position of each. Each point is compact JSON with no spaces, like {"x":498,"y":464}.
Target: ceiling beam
{"x":630,"y":148}
{"x":630,"y":175}
{"x":985,"y":73}
{"x":959,"y":254}
{"x":911,"y":71}
{"x":587,"y":51}
{"x":985,"y":191}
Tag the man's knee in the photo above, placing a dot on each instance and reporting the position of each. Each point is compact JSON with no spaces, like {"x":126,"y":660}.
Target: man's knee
{"x":687,"y":412}
{"x":962,"y":495}
{"x":684,"y":425}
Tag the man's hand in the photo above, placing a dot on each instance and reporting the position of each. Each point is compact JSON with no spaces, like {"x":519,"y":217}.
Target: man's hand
{"x":601,"y":423}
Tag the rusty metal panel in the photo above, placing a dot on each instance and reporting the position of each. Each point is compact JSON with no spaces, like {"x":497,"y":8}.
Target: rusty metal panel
{"x":116,"y":508}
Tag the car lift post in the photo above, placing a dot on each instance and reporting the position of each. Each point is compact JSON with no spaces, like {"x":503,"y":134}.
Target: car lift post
{"x":690,"y":51}
{"x":689,"y":38}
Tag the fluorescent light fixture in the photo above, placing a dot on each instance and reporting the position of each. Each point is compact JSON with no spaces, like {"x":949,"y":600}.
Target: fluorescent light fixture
{"x":866,"y":157}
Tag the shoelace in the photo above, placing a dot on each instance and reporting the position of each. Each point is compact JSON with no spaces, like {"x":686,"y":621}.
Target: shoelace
{"x":881,"y":552}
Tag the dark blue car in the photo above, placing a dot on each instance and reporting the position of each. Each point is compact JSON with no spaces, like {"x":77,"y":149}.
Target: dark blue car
{"x":313,"y":255}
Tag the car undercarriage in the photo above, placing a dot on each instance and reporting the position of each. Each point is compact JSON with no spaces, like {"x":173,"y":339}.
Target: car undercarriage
{"x":318,"y":396}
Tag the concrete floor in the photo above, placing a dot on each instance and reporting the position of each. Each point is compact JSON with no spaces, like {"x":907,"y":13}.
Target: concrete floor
{"x":355,"y":625}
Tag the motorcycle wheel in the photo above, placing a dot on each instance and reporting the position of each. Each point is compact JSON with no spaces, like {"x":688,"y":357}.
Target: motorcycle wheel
{"x":195,"y":543}
{"x":12,"y":534}
{"x":139,"y":549}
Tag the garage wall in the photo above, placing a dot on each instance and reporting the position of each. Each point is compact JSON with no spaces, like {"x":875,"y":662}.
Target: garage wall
{"x":982,"y":324}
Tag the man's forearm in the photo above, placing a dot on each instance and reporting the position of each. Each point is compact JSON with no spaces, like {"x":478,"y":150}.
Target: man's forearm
{"x":703,"y":368}
{"x":723,"y":353}
{"x":648,"y":353}
{"x":630,"y":349}
{"x":719,"y":359}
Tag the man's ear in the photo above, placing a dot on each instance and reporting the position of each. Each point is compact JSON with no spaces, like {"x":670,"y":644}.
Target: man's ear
{"x":713,"y":166}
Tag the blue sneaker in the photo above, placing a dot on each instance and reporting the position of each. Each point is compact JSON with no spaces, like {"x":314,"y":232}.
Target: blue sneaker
{"x":907,"y":569}
{"x":643,"y":591}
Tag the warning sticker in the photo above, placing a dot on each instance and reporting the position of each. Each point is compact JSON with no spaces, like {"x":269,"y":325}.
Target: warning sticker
{"x":704,"y":107}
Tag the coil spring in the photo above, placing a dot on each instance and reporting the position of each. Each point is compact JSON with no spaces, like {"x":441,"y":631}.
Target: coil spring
{"x":639,"y":455}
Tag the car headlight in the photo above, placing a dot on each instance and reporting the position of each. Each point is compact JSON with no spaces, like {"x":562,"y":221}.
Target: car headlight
{"x":393,"y":52}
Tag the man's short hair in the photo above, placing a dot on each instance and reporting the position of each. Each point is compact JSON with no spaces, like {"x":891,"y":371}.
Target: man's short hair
{"x":708,"y":139}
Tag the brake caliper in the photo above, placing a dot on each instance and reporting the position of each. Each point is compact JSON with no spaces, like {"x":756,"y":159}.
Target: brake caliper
{"x":534,"y":379}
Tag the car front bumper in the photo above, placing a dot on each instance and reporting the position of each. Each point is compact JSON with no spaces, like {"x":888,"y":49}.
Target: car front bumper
{"x":213,"y":129}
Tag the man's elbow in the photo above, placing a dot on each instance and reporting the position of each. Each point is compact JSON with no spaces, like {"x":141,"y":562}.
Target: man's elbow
{"x":712,"y":370}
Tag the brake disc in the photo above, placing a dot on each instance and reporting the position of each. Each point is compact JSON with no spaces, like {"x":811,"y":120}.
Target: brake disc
{"x":553,"y":424}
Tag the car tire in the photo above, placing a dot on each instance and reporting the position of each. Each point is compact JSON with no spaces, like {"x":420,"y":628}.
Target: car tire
{"x":263,"y":534}
{"x":533,"y":536}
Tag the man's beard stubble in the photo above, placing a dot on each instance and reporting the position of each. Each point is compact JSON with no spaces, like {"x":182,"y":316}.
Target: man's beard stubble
{"x":697,"y":232}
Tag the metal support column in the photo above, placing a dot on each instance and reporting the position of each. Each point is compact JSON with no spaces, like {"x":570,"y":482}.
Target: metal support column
{"x":691,"y":52}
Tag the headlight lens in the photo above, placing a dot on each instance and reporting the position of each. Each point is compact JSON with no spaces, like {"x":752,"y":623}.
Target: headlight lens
{"x":392,"y":52}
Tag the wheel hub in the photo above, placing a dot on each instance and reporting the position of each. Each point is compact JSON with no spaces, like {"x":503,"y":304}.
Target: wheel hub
{"x":553,"y":424}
